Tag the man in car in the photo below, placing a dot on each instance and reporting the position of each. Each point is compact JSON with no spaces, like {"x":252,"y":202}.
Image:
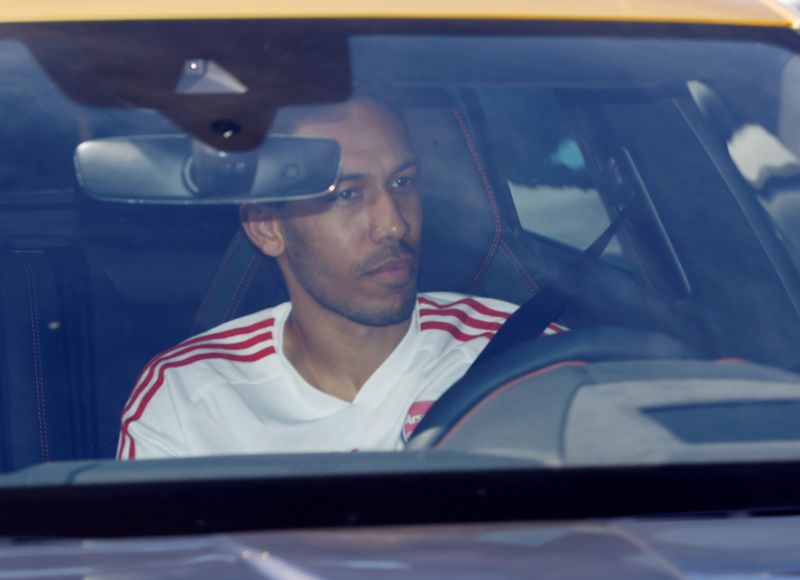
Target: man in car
{"x":357,"y":356}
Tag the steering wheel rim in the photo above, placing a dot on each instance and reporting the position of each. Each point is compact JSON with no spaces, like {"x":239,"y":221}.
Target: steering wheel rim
{"x":590,"y":345}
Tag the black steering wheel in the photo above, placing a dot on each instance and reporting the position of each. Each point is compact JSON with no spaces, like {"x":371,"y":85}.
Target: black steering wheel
{"x":598,"y":344}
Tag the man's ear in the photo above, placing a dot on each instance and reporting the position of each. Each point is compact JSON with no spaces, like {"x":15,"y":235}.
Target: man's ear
{"x":264,"y":228}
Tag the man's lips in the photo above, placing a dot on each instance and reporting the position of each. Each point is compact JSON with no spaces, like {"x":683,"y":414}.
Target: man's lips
{"x":396,"y":269}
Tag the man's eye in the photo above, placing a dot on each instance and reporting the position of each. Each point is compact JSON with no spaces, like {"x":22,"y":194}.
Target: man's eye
{"x":345,"y":195}
{"x":404,"y":182}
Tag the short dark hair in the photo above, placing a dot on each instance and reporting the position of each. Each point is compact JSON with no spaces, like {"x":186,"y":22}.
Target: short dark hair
{"x":289,"y":118}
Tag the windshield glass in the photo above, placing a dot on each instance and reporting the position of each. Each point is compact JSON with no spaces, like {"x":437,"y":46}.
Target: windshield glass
{"x":265,"y":246}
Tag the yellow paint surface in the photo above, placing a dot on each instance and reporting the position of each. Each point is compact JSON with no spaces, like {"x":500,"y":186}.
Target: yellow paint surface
{"x":745,"y":12}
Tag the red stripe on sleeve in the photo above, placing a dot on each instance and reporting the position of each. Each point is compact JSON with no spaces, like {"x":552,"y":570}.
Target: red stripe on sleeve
{"x":462,"y":316}
{"x":189,"y":347}
{"x":206,"y":337}
{"x":471,"y":302}
{"x":223,"y":334}
{"x":453,"y":330}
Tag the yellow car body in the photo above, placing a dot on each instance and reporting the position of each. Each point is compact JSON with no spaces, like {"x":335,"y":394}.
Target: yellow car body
{"x":736,"y":12}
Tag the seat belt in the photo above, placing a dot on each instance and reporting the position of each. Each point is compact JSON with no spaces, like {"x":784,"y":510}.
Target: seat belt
{"x":532,"y":318}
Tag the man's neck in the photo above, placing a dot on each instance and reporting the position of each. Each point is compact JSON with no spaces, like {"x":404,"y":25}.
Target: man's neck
{"x":337,"y":355}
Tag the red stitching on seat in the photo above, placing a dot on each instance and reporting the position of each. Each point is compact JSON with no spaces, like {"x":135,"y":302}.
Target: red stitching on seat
{"x":236,"y":299}
{"x":517,"y":265}
{"x":38,"y":372}
{"x":489,"y":193}
{"x":216,"y":279}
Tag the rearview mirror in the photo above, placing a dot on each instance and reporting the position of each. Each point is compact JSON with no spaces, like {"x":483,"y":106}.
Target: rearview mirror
{"x":176,"y":169}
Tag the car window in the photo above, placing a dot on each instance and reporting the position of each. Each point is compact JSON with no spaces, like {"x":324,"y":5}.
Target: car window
{"x":545,"y":169}
{"x":181,"y":226}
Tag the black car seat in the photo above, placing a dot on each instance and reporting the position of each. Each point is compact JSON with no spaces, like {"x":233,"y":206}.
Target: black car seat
{"x":51,"y":395}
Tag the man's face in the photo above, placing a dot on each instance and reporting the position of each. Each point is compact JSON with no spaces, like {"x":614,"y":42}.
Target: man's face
{"x":356,"y":252}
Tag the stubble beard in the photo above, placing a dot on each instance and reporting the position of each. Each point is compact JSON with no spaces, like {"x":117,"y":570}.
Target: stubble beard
{"x":314,"y":275}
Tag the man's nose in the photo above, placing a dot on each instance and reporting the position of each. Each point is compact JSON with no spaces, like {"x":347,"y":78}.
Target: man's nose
{"x":387,"y":218}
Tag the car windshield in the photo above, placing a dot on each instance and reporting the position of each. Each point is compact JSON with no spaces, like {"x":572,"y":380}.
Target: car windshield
{"x":257,"y":238}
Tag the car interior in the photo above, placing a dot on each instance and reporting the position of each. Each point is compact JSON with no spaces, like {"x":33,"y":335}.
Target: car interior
{"x":91,"y":290}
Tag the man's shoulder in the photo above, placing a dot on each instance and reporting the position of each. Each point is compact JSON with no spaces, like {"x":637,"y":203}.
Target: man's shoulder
{"x":462,"y":318}
{"x":188,"y":368}
{"x":246,"y":339}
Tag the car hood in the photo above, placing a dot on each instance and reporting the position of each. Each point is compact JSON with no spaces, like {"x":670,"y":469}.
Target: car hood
{"x":705,"y":548}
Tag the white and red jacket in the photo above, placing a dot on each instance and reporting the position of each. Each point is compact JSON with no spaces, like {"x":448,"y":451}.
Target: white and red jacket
{"x":231,"y":390}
